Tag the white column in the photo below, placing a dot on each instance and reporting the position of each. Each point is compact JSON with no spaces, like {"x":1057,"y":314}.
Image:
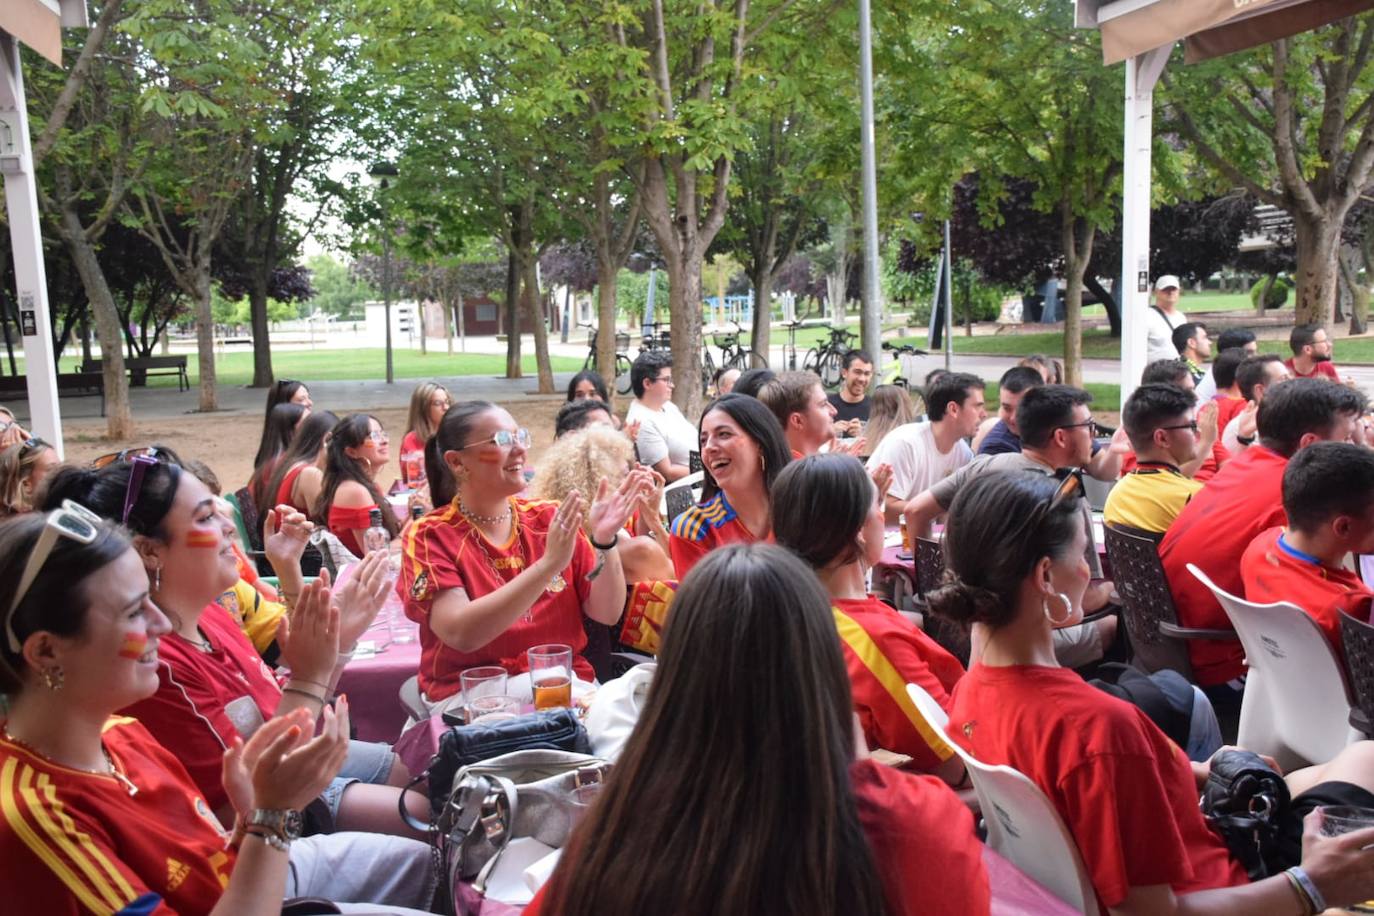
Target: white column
{"x":871,"y":322}
{"x":21,"y":203}
{"x":1142,"y":72}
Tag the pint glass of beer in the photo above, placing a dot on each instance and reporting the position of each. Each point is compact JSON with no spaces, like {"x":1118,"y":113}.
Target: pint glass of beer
{"x":551,"y":676}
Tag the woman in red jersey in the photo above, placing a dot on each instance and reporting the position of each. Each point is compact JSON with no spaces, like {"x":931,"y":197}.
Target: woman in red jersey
{"x":766,"y":802}
{"x":489,"y":574}
{"x":95,"y":815}
{"x":743,"y":450}
{"x":1015,"y":571}
{"x":828,"y":511}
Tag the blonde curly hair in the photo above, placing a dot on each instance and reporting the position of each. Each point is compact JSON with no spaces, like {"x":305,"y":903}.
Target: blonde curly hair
{"x":579,"y":460}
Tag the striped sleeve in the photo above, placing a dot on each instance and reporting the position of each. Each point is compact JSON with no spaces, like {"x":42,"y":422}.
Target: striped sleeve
{"x":68,"y":865}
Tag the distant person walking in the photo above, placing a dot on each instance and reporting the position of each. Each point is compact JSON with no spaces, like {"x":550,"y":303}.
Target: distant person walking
{"x":1163,"y":317}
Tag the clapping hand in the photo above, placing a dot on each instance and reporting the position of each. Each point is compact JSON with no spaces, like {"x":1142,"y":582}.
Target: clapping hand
{"x":882,"y":480}
{"x":285,"y":532}
{"x":610,"y":510}
{"x":1207,"y":423}
{"x":310,"y":641}
{"x":281,"y":766}
{"x":362,"y":596}
{"x":567,"y":521}
{"x":853,"y":447}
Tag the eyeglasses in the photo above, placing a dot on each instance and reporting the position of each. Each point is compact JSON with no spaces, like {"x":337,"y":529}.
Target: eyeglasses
{"x":1192,"y":426}
{"x":72,"y":521}
{"x":504,"y":438}
{"x":1091,"y":426}
{"x":378,"y":436}
{"x":663,"y":378}
{"x":150,"y":451}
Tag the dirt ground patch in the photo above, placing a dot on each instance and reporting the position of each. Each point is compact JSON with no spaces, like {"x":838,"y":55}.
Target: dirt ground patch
{"x":227,"y":443}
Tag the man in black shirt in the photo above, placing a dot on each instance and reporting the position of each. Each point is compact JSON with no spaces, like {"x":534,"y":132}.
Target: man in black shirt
{"x":851,"y":401}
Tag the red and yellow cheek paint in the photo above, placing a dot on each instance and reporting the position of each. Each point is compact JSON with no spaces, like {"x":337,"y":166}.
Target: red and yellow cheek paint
{"x":210,"y":540}
{"x":134,"y":645}
{"x":490,"y":457}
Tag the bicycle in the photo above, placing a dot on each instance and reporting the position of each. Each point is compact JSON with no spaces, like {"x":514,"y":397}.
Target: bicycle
{"x":897,"y":373}
{"x":827,"y":360}
{"x":789,"y":350}
{"x":622,"y":359}
{"x":733,"y":354}
{"x":655,"y":339}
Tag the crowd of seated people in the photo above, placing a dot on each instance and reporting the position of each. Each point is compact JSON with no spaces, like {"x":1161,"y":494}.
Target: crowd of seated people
{"x":179,"y":708}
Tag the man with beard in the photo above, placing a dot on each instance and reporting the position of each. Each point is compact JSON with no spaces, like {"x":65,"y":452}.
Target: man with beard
{"x":1311,"y":348}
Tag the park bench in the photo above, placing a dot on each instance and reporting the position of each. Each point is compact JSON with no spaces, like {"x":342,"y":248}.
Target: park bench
{"x":69,"y":384}
{"x":149,"y":365}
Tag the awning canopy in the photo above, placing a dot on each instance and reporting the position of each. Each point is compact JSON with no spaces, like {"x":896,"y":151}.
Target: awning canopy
{"x":1208,"y":28}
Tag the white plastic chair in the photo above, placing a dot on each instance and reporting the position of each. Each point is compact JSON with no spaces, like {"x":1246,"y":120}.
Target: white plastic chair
{"x":1296,"y":705}
{"x":1021,"y":823}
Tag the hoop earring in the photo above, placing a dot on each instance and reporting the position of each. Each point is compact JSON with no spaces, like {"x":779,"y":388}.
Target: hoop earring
{"x":54,"y":677}
{"x":1068,"y":609}
{"x":763,"y":464}
{"x":157,"y":578}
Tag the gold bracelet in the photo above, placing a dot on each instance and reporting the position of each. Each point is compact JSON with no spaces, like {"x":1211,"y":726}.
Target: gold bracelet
{"x":294,"y":677}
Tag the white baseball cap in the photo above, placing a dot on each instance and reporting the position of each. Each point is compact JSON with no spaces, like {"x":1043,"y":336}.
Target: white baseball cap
{"x":1168,"y":281}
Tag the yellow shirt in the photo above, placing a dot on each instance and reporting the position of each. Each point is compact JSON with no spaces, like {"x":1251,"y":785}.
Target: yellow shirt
{"x":1149,"y":498}
{"x":256,"y":616}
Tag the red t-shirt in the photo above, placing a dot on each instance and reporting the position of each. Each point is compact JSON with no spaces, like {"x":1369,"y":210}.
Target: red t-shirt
{"x":204,"y":699}
{"x":884,"y":652}
{"x":73,"y":842}
{"x":701,"y":529}
{"x":1228,"y":408}
{"x":1125,"y":792}
{"x":1324,"y":369}
{"x":927,"y":857}
{"x":443,"y":550}
{"x":1272,"y":574}
{"x":1212,"y":532}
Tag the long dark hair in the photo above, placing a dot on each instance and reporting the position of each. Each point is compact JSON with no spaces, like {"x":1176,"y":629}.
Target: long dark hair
{"x":819,"y":506}
{"x":56,"y":601}
{"x":589,"y":375}
{"x":745,"y":760}
{"x":305,"y":446}
{"x":759,"y":424}
{"x":277,"y":431}
{"x":350,"y":432}
{"x":282,"y":391}
{"x":1000,"y":525}
{"x":455,"y":429}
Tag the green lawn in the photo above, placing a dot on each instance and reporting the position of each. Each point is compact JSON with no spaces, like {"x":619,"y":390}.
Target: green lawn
{"x":1105,"y":396}
{"x":346,"y":365}
{"x":1195,"y":302}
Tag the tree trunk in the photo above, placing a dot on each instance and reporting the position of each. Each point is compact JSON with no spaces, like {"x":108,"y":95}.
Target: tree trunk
{"x":420,"y":319}
{"x":461,"y":322}
{"x":512,"y":312}
{"x":1261,"y":307}
{"x":1078,"y":252}
{"x":1359,"y":294}
{"x":534,"y":309}
{"x":262,"y":344}
{"x":684,"y":328}
{"x":205,"y":335}
{"x":763,"y":312}
{"x":605,"y":323}
{"x":1316,"y":242}
{"x":119,"y":421}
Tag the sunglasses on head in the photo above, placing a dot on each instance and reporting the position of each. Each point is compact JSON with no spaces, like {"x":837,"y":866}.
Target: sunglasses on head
{"x":150,"y":451}
{"x":73,"y":521}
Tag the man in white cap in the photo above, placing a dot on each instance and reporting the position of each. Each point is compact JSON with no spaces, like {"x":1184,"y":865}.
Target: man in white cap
{"x":1161,"y":320}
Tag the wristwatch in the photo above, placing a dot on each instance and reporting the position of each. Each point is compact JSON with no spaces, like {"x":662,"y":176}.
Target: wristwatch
{"x":278,"y":826}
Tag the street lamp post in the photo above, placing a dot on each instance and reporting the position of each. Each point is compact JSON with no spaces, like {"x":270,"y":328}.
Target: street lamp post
{"x":382,"y":173}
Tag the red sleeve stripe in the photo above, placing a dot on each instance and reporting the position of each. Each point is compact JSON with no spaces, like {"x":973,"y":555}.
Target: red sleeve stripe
{"x":66,"y":850}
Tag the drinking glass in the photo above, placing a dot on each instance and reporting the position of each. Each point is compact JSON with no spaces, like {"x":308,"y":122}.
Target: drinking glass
{"x":490,"y":709}
{"x":1339,"y":819}
{"x":486,"y":681}
{"x":551,"y":676}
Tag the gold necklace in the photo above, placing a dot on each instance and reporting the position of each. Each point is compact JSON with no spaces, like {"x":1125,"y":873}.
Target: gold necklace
{"x":113,"y":770}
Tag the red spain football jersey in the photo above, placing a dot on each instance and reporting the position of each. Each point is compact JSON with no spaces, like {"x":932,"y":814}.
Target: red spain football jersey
{"x":444,"y":550}
{"x":884,"y":652}
{"x":75,"y":842}
{"x":205,"y":699}
{"x":701,"y":529}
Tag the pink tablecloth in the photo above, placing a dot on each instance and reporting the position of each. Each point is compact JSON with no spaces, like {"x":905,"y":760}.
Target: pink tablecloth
{"x":373,"y":685}
{"x":1016,"y":894}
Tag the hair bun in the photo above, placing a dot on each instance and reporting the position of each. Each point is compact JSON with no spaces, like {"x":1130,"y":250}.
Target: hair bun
{"x":963,"y":603}
{"x":69,"y":482}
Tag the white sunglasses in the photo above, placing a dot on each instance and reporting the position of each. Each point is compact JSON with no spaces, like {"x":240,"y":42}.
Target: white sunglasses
{"x":72,"y":521}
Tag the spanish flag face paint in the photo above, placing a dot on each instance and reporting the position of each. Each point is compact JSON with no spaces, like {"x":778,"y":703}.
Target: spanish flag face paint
{"x":209,"y":540}
{"x":134,"y":645}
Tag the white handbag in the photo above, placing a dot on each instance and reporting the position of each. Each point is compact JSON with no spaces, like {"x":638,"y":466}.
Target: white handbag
{"x":615,"y":709}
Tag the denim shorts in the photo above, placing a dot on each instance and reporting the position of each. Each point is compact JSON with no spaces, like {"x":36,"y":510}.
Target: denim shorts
{"x":368,"y":762}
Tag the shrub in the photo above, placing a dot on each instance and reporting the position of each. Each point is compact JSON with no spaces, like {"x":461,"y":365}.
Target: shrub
{"x":1278,"y":292}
